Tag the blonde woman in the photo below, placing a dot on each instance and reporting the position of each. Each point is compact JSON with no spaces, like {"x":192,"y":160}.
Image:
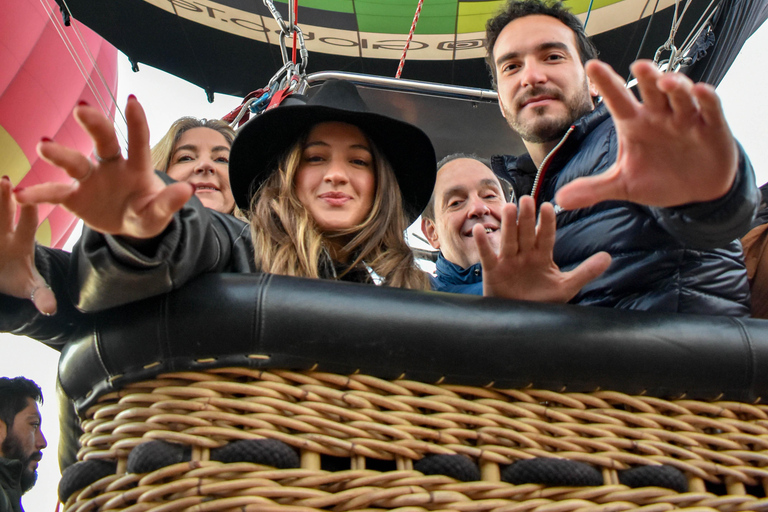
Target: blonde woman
{"x":197,"y":151}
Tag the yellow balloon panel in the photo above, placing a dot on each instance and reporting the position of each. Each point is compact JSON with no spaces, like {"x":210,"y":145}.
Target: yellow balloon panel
{"x":44,"y":234}
{"x":13,"y":161}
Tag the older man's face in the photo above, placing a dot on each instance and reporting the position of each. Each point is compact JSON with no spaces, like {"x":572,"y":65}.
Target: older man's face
{"x":466,"y":193}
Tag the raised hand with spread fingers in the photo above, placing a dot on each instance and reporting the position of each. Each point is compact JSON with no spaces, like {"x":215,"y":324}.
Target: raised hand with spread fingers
{"x":113,"y":195}
{"x":18,"y":275}
{"x":524,"y":268}
{"x":674,"y":148}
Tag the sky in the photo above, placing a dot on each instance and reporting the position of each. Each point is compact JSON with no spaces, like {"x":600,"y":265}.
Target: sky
{"x":167,"y":98}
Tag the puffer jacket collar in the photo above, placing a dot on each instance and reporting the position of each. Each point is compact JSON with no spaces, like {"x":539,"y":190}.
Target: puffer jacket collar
{"x":522,"y":180}
{"x":452,"y":278}
{"x":454,"y":274}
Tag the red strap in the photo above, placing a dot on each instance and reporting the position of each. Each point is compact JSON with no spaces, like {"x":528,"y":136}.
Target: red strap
{"x":233,"y":115}
{"x":280,"y":95}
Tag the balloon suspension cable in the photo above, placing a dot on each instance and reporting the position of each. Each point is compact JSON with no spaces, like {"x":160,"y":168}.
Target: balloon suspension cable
{"x":629,"y":80}
{"x":701,"y":25}
{"x":410,"y":37}
{"x":679,"y":57}
{"x":294,"y":20}
{"x":103,"y":103}
{"x":288,"y":78}
{"x":292,"y":29}
{"x":669,"y":44}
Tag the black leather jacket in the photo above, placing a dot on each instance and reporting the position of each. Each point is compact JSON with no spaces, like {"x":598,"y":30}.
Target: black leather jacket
{"x":683,"y":259}
{"x":19,"y":316}
{"x":199,"y":240}
{"x":10,"y":485}
{"x":111,"y":272}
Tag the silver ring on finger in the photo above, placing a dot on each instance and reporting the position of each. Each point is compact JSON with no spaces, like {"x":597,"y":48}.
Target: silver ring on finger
{"x":32,"y":295}
{"x":87,"y":174}
{"x":34,"y":290}
{"x":108,"y":159}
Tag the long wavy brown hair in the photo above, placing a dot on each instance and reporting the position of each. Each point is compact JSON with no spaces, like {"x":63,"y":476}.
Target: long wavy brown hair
{"x":287,"y":240}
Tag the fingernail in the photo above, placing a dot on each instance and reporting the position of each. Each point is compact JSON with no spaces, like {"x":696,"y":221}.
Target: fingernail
{"x":18,"y":189}
{"x":46,"y":139}
{"x":6,"y":178}
{"x":131,"y":97}
{"x":82,"y":103}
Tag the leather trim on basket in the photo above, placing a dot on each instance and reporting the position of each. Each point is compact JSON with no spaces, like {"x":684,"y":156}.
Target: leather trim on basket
{"x":266,"y":321}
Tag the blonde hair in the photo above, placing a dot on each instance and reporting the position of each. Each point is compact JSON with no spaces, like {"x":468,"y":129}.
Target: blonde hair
{"x":163,"y":150}
{"x":287,"y":241}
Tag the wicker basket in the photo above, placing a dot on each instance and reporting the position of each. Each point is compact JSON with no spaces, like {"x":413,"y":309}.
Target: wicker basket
{"x":373,"y":431}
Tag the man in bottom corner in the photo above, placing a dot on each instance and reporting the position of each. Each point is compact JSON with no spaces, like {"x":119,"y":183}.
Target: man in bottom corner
{"x":21,"y":440}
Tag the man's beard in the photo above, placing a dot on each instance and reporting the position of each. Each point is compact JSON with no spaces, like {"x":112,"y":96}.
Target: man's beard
{"x":542,"y":129}
{"x":12,"y":450}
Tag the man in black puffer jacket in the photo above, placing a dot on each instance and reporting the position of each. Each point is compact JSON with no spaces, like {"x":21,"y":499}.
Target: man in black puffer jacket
{"x":662,"y":186}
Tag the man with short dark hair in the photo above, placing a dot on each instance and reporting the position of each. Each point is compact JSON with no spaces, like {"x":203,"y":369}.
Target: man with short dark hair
{"x":660,"y":185}
{"x":21,"y":440}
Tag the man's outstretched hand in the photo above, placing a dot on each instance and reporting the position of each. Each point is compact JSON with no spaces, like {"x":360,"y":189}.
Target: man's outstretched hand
{"x":674,"y":148}
{"x":524,"y":268}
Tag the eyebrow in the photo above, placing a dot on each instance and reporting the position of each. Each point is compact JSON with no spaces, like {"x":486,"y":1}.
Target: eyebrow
{"x":453,"y":191}
{"x":325,"y":144}
{"x":549,"y":45}
{"x":192,"y":147}
{"x":485,"y":183}
{"x":490,"y":183}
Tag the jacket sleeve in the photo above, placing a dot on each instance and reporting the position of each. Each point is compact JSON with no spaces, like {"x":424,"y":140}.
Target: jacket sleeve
{"x":110,"y":272}
{"x":715,"y":223}
{"x":19,"y":316}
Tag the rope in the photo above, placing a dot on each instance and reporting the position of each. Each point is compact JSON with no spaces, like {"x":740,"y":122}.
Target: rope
{"x":410,"y":36}
{"x":589,"y":11}
{"x":103,"y":103}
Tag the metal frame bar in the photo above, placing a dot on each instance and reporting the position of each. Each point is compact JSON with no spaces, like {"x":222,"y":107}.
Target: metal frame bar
{"x":402,"y":85}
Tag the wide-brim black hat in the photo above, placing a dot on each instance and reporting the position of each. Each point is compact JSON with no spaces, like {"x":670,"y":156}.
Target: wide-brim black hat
{"x":262,"y":141}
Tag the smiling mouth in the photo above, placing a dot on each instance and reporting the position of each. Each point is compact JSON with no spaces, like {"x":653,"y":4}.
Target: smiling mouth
{"x":538,"y":95}
{"x":335,"y":198}
{"x":205,"y":187}
{"x":537,"y":101}
{"x":487,"y":230}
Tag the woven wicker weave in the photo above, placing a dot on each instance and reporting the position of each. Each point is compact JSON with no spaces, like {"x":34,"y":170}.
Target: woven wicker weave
{"x":721,"y":447}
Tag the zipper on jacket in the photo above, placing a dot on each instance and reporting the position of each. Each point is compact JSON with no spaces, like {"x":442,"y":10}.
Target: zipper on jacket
{"x":545,"y":164}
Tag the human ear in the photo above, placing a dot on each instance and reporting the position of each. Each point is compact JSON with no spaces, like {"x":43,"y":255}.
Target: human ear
{"x":501,"y":105}
{"x":592,"y":89}
{"x":428,"y":228}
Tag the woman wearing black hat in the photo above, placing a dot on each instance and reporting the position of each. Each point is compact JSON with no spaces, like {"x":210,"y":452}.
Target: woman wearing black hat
{"x":332,"y":187}
{"x":301,"y":217}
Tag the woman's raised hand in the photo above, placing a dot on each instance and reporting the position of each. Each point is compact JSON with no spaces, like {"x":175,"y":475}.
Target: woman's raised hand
{"x":113,"y":195}
{"x":18,"y":275}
